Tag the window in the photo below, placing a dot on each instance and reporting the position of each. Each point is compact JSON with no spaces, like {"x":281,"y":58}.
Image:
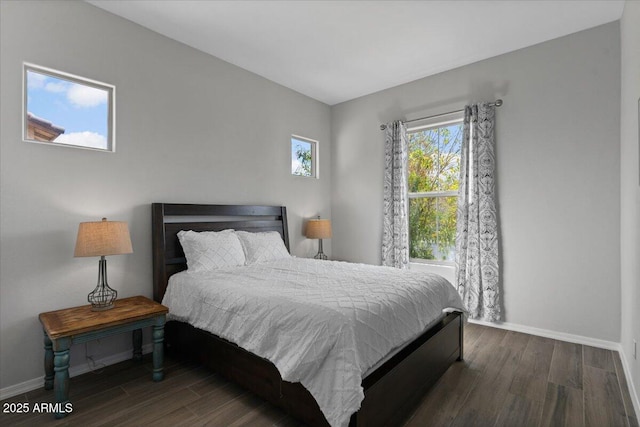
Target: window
{"x":433,"y":176}
{"x":63,"y":109}
{"x":304,"y":156}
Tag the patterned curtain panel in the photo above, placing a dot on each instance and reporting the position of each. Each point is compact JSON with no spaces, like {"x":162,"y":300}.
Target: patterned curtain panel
{"x":395,"y":234}
{"x":477,"y":257}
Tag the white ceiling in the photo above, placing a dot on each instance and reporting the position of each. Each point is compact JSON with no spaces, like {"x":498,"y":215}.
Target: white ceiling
{"x":335,"y":51}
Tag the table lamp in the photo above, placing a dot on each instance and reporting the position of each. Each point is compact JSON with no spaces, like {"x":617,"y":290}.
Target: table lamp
{"x":101,"y":238}
{"x":319,"y":229}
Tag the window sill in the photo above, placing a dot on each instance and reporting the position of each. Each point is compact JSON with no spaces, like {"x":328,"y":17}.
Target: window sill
{"x":448,"y":271}
{"x":432,"y":262}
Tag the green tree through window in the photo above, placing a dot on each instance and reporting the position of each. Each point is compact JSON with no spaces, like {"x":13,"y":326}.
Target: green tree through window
{"x":433,"y":175}
{"x":303,"y":155}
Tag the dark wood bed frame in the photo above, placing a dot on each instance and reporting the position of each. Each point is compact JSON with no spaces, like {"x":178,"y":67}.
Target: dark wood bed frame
{"x":391,"y":391}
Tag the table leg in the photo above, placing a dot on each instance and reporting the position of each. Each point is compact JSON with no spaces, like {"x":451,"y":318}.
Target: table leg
{"x":158,"y":348}
{"x":48,"y":362}
{"x":61,"y":368}
{"x":137,"y":345}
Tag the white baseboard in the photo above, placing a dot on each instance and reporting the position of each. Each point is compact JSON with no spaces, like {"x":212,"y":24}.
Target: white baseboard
{"x":16,"y":389}
{"x":35,"y":383}
{"x":561,"y":336}
{"x":577,"y":339}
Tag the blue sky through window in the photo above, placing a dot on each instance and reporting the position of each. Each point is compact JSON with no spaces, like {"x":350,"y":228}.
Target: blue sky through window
{"x":81,"y":110}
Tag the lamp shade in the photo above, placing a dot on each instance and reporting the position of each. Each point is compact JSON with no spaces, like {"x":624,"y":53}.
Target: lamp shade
{"x":102,"y":238}
{"x":318,"y":229}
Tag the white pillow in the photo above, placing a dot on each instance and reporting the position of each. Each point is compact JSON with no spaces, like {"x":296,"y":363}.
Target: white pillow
{"x":263,"y":246}
{"x":210,"y":250}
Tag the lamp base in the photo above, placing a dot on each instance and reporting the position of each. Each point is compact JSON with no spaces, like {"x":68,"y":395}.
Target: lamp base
{"x":320,"y":254}
{"x":102,"y":308}
{"x":102,"y":297}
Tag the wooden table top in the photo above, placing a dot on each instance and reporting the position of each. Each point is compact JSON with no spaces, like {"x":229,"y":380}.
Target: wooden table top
{"x":77,"y":320}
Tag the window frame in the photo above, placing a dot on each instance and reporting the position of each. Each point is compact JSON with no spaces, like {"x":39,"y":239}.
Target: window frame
{"x":314,"y":156}
{"x":427,"y":124}
{"x":72,"y":78}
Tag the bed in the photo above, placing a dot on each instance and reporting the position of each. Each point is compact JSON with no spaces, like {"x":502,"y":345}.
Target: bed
{"x":391,"y":389}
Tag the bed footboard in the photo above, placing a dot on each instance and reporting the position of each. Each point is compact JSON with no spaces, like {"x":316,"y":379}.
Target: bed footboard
{"x":391,"y":391}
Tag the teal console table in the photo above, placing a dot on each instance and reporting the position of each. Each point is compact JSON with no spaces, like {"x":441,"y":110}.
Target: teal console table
{"x":62,"y":328}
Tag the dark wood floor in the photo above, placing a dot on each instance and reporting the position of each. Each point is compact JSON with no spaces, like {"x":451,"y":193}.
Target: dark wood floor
{"x":507,"y":379}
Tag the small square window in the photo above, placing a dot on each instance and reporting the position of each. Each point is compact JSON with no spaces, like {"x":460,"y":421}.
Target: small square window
{"x":67,"y":110}
{"x":304,"y":156}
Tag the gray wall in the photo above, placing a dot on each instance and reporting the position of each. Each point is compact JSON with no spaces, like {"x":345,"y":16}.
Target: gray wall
{"x":558,"y":162}
{"x":630,"y":186}
{"x":190,"y":128}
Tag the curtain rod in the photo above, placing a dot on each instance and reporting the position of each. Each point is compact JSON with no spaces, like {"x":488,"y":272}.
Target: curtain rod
{"x":496,"y":103}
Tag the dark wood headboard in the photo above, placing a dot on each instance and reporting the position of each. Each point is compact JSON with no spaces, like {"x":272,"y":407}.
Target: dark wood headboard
{"x":169,"y":218}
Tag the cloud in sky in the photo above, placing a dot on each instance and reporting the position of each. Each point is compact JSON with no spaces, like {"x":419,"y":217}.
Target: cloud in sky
{"x":86,"y":96}
{"x":79,"y":96}
{"x":83,"y":139}
{"x":35,"y":80}
{"x":55,"y":87}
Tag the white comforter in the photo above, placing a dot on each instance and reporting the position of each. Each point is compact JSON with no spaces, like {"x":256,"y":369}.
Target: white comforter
{"x":321,"y":323}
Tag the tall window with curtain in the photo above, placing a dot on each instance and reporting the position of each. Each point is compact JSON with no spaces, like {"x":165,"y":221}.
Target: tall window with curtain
{"x":420,"y":188}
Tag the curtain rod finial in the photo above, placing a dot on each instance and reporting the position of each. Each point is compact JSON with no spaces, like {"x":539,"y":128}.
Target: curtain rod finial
{"x":383,"y":127}
{"x":498,"y":102}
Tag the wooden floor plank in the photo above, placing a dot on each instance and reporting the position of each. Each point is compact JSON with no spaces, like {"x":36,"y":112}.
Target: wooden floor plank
{"x":179,"y":417}
{"x":530,"y":379}
{"x":215,"y":398}
{"x":441,"y":404}
{"x":566,"y":365}
{"x":208,"y":384}
{"x":231,"y":412}
{"x":288,"y":421}
{"x":598,"y":358}
{"x":603,"y":404}
{"x":519,"y":411}
{"x":150,"y":411}
{"x":472,"y":332}
{"x":486,"y":399}
{"x":563,"y":406}
{"x":178,"y":375}
{"x":516,"y":341}
{"x":478,"y":355}
{"x":265,"y":416}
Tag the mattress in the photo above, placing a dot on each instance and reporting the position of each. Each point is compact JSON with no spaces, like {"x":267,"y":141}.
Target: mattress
{"x":324,"y":324}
